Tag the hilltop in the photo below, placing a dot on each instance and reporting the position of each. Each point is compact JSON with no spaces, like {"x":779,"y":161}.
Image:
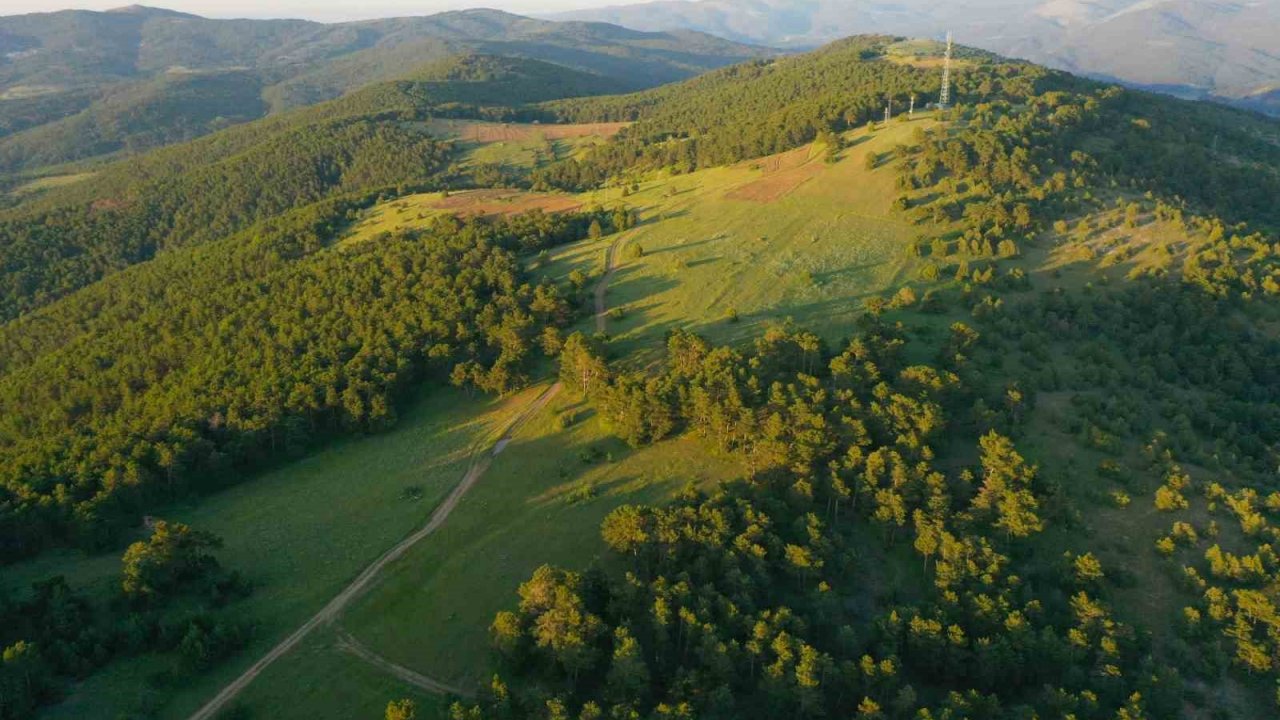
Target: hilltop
{"x":1191,"y":48}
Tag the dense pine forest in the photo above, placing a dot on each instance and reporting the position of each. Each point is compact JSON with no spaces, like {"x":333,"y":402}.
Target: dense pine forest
{"x":927,"y":517}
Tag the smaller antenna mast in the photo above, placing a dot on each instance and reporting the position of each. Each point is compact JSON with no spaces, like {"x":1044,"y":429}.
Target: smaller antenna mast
{"x":944,"y":99}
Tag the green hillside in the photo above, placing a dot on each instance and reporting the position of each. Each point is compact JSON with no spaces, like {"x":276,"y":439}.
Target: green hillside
{"x":968,"y":414}
{"x":90,"y":84}
{"x":161,"y":112}
{"x":128,"y":211}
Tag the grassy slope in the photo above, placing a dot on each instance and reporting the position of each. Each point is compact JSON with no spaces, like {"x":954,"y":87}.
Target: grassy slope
{"x":712,"y":243}
{"x":541,"y":502}
{"x":299,"y":533}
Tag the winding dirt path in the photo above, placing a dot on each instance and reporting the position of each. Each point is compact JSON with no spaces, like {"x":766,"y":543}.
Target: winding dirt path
{"x":610,"y":267}
{"x":480,"y":463}
{"x":347,"y":642}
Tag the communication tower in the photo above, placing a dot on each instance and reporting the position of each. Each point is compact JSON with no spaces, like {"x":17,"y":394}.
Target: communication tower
{"x":944,"y":99}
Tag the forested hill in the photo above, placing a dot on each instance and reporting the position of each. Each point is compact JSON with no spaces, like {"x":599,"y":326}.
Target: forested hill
{"x":1025,"y":467}
{"x":1189,"y":48}
{"x":84,"y":84}
{"x":175,"y":108}
{"x":214,"y":186}
{"x":1224,"y":160}
{"x":1100,"y":270}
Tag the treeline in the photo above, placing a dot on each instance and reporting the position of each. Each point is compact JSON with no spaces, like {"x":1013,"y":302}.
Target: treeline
{"x":188,"y":371}
{"x":759,"y":599}
{"x":745,"y":111}
{"x":171,"y":597}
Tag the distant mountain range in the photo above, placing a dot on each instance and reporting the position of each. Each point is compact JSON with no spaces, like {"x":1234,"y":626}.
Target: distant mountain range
{"x":1224,"y":49}
{"x":79,"y":84}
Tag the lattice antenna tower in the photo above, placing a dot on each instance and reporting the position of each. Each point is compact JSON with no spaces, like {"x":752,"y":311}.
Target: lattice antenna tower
{"x":945,"y":98}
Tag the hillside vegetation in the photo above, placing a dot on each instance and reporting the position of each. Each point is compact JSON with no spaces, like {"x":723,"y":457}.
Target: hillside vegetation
{"x":90,"y":84}
{"x":975,"y":411}
{"x":1188,"y":48}
{"x":213,"y":187}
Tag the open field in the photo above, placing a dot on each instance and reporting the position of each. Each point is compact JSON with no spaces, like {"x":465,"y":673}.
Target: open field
{"x":505,"y":202}
{"x":789,"y":236}
{"x":300,"y":534}
{"x":417,"y":210}
{"x":521,"y":145}
{"x":542,"y":502}
{"x":24,"y":92}
{"x":49,"y":182}
{"x":488,"y":132}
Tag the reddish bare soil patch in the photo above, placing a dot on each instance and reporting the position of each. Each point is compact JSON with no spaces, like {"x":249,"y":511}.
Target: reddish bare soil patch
{"x":485,"y":133}
{"x":505,"y":202}
{"x":783,"y":173}
{"x":105,"y":204}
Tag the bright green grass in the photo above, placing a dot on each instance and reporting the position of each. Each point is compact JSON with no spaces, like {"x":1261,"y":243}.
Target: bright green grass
{"x":299,"y":534}
{"x":525,"y":147}
{"x":319,"y":680}
{"x":389,"y":217}
{"x":813,"y":255}
{"x":433,"y":610}
{"x":528,"y":153}
{"x":50,"y":182}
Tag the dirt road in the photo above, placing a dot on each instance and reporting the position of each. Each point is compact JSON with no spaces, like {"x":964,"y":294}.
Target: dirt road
{"x":479,"y":465}
{"x":610,"y":267}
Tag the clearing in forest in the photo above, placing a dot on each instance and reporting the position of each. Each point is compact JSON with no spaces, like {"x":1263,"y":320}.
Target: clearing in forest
{"x":488,"y":132}
{"x":490,"y":203}
{"x":412,"y":211}
{"x":323,"y":518}
{"x":724,"y":251}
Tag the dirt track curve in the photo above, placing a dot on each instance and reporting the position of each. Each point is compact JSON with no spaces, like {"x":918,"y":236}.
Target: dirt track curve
{"x":610,"y":267}
{"x":348,"y":643}
{"x":480,"y":463}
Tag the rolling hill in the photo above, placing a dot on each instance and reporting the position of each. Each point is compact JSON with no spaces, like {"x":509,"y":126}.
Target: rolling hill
{"x":969,"y":413}
{"x":91,"y":83}
{"x":1191,"y":48}
{"x":126,"y":212}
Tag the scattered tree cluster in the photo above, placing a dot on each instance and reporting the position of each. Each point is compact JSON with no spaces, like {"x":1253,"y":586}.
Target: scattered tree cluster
{"x":757,"y":600}
{"x":172,"y":598}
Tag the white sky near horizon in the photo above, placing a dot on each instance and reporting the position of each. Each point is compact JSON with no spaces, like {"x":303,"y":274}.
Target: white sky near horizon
{"x":323,"y":10}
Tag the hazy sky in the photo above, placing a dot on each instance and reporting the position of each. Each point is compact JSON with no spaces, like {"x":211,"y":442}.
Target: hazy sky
{"x":314,"y":9}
